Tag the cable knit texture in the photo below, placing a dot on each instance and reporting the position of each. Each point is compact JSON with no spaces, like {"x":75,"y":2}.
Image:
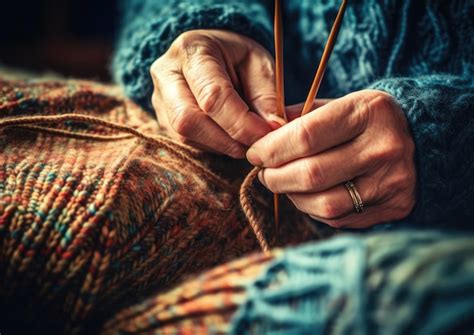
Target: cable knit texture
{"x":420,"y":52}
{"x":393,"y":283}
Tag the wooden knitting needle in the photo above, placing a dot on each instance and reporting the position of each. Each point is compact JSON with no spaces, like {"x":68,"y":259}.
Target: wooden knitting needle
{"x":278,"y":35}
{"x":308,"y":105}
{"x":280,"y":92}
{"x":280,"y":88}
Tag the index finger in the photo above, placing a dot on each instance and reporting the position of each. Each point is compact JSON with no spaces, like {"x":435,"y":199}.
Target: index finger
{"x":330,"y":125}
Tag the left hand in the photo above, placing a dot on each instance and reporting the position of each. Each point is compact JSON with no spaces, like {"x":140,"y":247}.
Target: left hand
{"x":363,"y":137}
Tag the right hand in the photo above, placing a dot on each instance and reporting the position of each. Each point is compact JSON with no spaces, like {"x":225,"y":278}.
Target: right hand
{"x":215,"y":90}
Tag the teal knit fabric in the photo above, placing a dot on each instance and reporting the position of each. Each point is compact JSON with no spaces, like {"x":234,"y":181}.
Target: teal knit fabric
{"x":421,"y":52}
{"x":393,"y":283}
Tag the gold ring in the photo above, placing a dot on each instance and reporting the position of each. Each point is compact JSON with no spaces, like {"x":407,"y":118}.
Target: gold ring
{"x":355,"y":196}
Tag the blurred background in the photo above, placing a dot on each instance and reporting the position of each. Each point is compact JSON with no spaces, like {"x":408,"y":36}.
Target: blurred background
{"x":74,"y":38}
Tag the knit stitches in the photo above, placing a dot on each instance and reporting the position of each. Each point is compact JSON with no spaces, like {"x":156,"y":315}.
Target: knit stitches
{"x":393,"y":283}
{"x":411,"y":282}
{"x":97,"y":210}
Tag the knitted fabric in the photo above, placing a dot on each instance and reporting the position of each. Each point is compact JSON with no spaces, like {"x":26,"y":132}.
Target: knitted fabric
{"x":420,"y":52}
{"x":398,"y":283}
{"x":98,"y":210}
{"x":204,"y":305}
{"x":391,"y":283}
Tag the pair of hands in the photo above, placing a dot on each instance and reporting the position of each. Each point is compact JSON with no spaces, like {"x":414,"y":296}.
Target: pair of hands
{"x":215,"y":90}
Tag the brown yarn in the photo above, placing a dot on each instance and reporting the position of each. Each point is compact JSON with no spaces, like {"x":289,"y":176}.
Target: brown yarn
{"x":27,"y":121}
{"x":75,"y":134}
{"x":245,"y":202}
{"x":30,"y":122}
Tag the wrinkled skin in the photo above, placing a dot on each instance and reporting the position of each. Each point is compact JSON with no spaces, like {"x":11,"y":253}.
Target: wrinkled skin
{"x":215,"y":90}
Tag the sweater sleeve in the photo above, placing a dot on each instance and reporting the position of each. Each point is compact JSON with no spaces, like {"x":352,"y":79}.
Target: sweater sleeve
{"x":439,"y":109}
{"x":149,"y":27}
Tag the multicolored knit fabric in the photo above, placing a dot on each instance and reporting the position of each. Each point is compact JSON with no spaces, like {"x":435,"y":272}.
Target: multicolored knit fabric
{"x":392,"y":283}
{"x":97,"y":210}
{"x":204,"y":305}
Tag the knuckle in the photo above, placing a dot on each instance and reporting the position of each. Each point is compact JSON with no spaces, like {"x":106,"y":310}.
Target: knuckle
{"x":156,"y":67}
{"x":329,"y":210}
{"x":191,"y":43}
{"x":236,"y":132}
{"x":311,"y":176}
{"x":182,"y":121}
{"x":236,"y":129}
{"x":396,"y":150}
{"x":368,"y":104}
{"x":212,"y":97}
{"x":362,"y":105}
{"x":304,"y":136}
{"x":161,"y":73}
{"x":393,"y":147}
{"x":390,"y":147}
{"x":359,"y":117}
{"x":184,"y":40}
{"x":380,"y":100}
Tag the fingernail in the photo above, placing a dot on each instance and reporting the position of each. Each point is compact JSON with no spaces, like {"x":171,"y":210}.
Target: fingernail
{"x":260,"y":176}
{"x":253,"y":157}
{"x":274,"y":125}
{"x":275,"y":119}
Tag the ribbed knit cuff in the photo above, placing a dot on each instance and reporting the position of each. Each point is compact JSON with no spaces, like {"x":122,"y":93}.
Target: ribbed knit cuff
{"x":434,"y":105}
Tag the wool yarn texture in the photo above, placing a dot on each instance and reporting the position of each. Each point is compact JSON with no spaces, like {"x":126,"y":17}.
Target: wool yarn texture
{"x":98,"y":208}
{"x":417,"y":282}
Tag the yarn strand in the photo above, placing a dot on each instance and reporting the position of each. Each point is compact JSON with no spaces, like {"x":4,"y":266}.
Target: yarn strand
{"x":28,"y":121}
{"x":245,"y":202}
{"x":31,"y":123}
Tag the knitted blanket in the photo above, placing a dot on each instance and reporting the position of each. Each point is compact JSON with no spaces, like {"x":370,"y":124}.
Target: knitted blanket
{"x":98,"y":210}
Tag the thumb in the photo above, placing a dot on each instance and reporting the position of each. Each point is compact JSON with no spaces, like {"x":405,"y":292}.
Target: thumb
{"x":257,"y":76}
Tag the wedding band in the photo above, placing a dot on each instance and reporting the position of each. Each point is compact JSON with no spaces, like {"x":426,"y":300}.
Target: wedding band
{"x":355,"y":196}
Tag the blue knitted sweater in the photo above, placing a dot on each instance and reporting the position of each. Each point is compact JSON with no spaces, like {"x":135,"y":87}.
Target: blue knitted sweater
{"x":421,"y":52}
